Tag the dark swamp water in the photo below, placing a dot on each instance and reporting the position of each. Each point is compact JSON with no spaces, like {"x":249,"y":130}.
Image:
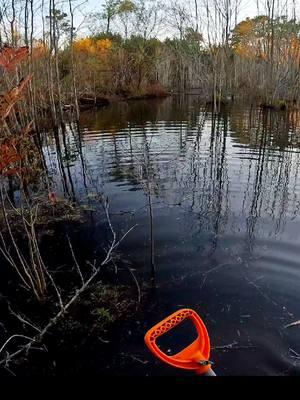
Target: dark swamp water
{"x":224,"y":191}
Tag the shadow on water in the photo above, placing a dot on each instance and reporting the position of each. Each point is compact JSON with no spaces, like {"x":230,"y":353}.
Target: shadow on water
{"x":216,"y":200}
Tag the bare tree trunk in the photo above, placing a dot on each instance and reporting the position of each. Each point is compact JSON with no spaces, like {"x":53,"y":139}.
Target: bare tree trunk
{"x":73,"y":61}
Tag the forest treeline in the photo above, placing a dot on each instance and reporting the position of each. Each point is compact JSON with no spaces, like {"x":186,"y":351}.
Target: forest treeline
{"x":146,"y":48}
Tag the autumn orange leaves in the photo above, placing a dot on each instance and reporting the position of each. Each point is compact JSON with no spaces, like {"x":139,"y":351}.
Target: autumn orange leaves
{"x":10,"y":146}
{"x":8,"y":100}
{"x":10,"y":57}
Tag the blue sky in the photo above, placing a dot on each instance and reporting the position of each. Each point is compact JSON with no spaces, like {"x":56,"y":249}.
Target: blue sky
{"x":248,"y":8}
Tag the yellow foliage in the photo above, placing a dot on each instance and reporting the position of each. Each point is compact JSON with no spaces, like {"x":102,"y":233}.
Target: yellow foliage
{"x":250,"y":40}
{"x":245,"y":28}
{"x":103,"y":44}
{"x":245,"y":51}
{"x":244,"y":43}
{"x":250,"y":52}
{"x":90,"y":46}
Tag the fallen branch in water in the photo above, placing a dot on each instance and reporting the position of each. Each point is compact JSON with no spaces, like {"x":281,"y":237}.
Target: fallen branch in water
{"x":294,"y":354}
{"x":64,"y":307}
{"x":23,"y":320}
{"x":296,"y":323}
{"x":12,"y":337}
{"x":134,"y":358}
{"x":233,"y":346}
